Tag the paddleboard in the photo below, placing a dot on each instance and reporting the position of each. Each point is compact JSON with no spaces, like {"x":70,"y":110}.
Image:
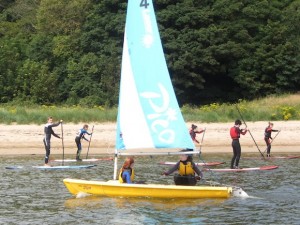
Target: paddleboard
{"x":63,"y":167}
{"x":273,"y":157}
{"x":51,"y":167}
{"x":83,"y":160}
{"x":242,"y":169}
{"x":13,"y":167}
{"x":198,"y":164}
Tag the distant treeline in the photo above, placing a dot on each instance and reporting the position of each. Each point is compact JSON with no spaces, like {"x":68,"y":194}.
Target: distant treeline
{"x":69,"y":52}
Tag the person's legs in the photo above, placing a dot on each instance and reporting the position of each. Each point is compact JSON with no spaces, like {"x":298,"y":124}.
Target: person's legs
{"x":267,"y":140}
{"x":269,"y":150}
{"x":238,"y":154}
{"x":234,"y":153}
{"x":126,"y":177}
{"x":47,"y":148}
{"x":268,"y":143}
{"x":79,"y":148}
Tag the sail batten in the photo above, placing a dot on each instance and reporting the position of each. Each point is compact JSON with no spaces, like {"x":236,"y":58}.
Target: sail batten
{"x":148,"y":114}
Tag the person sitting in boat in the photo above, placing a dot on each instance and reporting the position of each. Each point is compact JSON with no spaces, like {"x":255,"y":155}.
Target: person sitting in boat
{"x":79,"y":136}
{"x":186,"y":169}
{"x":193,"y":132}
{"x":268,"y":133}
{"x":126,"y":174}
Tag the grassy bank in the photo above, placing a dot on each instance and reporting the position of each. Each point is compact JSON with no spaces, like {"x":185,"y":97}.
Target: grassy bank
{"x":70,"y":114}
{"x":285,"y":107}
{"x":273,"y":108}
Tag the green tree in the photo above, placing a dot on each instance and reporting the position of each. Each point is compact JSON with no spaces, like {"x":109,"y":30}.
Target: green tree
{"x":36,"y":83}
{"x":70,"y":51}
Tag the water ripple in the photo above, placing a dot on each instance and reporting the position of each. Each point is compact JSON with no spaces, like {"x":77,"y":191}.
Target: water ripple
{"x":31,"y":196}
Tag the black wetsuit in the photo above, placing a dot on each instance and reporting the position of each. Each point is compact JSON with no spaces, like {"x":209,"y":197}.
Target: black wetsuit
{"x":268,"y":132}
{"x":48,"y":132}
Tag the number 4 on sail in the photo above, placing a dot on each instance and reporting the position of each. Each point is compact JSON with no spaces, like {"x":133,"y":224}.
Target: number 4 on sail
{"x":144,"y":4}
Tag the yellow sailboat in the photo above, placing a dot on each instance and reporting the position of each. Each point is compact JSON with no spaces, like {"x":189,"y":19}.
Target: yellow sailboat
{"x":114,"y":188}
{"x":148,"y":114}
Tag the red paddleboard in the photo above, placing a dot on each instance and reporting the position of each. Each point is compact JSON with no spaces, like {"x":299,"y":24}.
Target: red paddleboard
{"x":83,"y":160}
{"x":274,"y":157}
{"x":243,"y":169}
{"x":198,"y":164}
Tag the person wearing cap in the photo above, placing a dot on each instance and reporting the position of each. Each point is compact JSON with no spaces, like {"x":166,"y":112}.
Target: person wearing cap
{"x":235,"y":133}
{"x":186,"y":170}
{"x":193,"y":132}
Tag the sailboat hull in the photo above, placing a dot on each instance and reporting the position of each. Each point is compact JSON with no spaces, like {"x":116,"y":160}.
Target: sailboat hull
{"x":115,"y":189}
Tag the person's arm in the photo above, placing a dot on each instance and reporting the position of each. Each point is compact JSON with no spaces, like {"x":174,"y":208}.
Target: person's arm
{"x":197,"y":170}
{"x":199,"y":132}
{"x":54,"y":124}
{"x":243,"y":131}
{"x":273,"y":131}
{"x":173,"y":169}
{"x":54,"y":134}
{"x":85,"y":138}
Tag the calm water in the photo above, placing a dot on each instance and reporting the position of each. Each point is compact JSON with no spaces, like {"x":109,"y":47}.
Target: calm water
{"x":32,"y":196}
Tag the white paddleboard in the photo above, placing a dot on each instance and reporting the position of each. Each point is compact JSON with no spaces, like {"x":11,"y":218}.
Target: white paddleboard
{"x":83,"y":160}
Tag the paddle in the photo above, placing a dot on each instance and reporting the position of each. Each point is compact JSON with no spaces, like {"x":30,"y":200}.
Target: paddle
{"x":249,"y":131}
{"x":202,"y":140}
{"x":272,"y":141}
{"x":203,"y":159}
{"x":90,"y":142}
{"x":62,"y":142}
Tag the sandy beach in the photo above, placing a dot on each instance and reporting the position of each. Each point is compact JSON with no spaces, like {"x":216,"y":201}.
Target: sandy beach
{"x":27,"y":139}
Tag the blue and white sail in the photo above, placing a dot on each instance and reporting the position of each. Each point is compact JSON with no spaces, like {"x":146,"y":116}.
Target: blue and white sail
{"x":148,"y":114}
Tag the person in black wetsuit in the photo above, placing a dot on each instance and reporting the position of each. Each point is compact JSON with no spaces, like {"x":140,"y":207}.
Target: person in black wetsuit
{"x":268,"y":132}
{"x":235,"y":133}
{"x":48,"y":132}
{"x":79,"y":136}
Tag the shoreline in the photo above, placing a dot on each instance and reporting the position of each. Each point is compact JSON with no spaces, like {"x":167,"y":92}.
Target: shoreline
{"x":27,"y":139}
{"x":206,"y":150}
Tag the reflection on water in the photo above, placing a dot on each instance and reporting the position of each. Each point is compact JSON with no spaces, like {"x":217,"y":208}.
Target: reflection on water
{"x":159,"y":204}
{"x":40,"y":197}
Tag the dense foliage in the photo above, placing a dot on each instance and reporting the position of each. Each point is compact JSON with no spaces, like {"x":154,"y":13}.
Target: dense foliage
{"x":69,"y":52}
